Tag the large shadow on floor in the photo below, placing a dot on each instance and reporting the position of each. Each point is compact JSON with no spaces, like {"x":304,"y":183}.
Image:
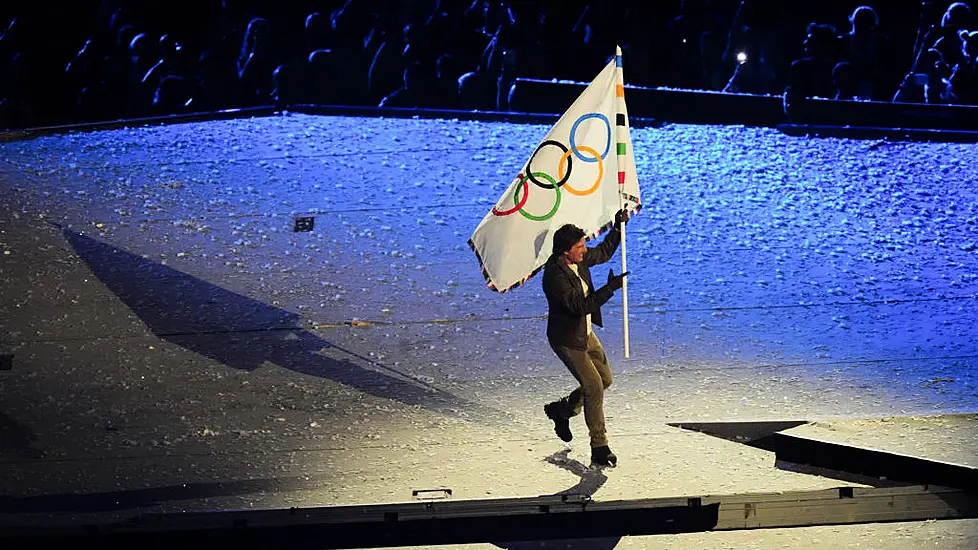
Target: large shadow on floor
{"x":134,"y":499}
{"x":245,"y":333}
{"x":17,"y":439}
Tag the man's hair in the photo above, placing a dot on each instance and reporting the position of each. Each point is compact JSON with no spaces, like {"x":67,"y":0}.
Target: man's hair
{"x":566,"y":237}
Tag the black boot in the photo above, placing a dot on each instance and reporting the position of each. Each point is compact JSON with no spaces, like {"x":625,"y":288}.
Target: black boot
{"x":603,"y":456}
{"x":561,"y":422}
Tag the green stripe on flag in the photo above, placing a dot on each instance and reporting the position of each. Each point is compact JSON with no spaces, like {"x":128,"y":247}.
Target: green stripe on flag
{"x":621,"y":148}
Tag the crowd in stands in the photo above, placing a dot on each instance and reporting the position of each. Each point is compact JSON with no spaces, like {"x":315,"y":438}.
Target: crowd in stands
{"x":107,"y":59}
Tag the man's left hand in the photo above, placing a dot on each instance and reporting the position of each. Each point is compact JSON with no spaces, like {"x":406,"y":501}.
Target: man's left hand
{"x":621,"y":217}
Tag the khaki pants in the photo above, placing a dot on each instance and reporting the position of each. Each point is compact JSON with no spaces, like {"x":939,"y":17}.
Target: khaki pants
{"x":593,"y":373}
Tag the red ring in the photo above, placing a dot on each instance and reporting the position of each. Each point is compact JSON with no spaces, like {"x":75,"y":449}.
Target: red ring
{"x":526,"y":195}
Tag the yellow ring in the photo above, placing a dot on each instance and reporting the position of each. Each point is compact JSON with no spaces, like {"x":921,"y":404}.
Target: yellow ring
{"x":560,"y":171}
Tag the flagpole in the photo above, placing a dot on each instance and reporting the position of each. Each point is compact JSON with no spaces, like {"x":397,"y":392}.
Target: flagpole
{"x":620,"y":91}
{"x":624,"y":291}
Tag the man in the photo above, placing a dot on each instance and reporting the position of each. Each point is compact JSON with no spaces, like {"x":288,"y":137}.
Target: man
{"x":574,"y":307}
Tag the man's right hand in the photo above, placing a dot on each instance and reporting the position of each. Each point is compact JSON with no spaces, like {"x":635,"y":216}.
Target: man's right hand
{"x":615,"y":281}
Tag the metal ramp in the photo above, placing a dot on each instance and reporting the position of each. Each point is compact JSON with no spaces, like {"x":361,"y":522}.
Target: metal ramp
{"x":903,"y":488}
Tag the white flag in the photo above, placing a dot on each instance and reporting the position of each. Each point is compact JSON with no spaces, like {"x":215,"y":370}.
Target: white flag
{"x":582,"y":173}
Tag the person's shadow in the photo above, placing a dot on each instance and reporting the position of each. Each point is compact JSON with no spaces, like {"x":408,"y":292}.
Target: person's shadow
{"x":592,"y":479}
{"x":244,"y":333}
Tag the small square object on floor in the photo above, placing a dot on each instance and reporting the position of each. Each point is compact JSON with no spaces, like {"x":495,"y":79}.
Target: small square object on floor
{"x":304,"y":223}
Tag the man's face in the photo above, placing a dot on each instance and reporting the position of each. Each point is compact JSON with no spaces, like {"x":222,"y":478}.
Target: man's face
{"x":576,"y":254}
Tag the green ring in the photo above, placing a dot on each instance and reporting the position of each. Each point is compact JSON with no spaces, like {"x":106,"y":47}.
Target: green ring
{"x":547,"y":216}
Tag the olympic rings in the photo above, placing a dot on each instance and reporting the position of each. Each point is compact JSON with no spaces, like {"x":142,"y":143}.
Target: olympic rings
{"x":597,"y":182}
{"x":573,"y":132}
{"x":564,"y":169}
{"x":553,"y":210}
{"x":526,"y":195}
{"x":529,"y":169}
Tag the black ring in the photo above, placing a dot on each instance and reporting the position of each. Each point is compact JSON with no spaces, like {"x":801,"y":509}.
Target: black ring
{"x":529,"y":167}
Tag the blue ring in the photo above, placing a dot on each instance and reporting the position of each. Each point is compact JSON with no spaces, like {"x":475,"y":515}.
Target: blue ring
{"x":573,"y":132}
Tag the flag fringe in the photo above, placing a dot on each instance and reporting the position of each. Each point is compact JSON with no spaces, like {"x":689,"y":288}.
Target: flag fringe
{"x":482,"y":266}
{"x":485,"y":274}
{"x":638,"y":204}
{"x":604,"y":228}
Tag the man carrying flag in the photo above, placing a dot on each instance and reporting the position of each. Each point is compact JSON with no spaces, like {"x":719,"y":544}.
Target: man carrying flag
{"x":574,"y":307}
{"x":578,"y":182}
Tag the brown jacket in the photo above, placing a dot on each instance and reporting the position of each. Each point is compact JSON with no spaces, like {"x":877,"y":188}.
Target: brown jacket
{"x":566,"y":324}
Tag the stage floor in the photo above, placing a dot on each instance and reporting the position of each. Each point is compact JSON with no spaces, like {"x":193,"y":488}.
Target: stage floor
{"x":176,"y":346}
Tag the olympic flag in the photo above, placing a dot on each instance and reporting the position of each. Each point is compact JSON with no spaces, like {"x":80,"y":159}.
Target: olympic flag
{"x":582,"y":173}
